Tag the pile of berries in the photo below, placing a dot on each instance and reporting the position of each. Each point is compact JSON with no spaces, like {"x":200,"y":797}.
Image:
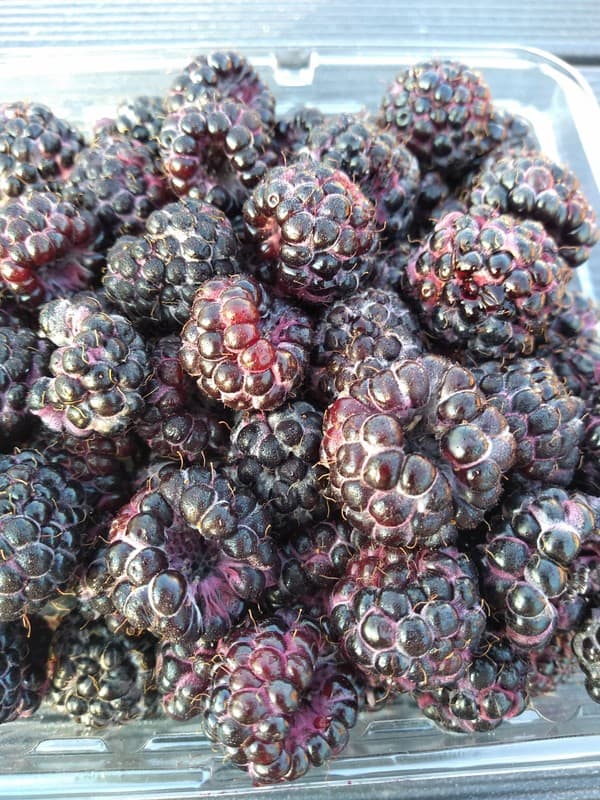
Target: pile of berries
{"x":296,"y":412}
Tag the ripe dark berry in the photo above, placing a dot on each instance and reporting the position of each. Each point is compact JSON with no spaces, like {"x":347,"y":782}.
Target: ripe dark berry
{"x":187,"y":553}
{"x":36,"y":148}
{"x":414,"y":451}
{"x":487,"y":286}
{"x":213,"y":150}
{"x":45,"y":247}
{"x":244,"y":348}
{"x":222,"y":75}
{"x":413,"y":619}
{"x":98,"y":369}
{"x":276,"y":454}
{"x":525,"y":563}
{"x":101,"y":677}
{"x":360,"y":336}
{"x":153,"y":278}
{"x":442,"y":111}
{"x":278,"y":702}
{"x":314,"y":231}
{"x":493,"y":688}
{"x":42,"y":519}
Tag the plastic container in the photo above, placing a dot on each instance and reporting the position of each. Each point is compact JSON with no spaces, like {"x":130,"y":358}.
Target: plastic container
{"x":394,"y":752}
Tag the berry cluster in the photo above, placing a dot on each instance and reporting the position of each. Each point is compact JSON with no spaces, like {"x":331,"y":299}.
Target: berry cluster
{"x":296,"y":412}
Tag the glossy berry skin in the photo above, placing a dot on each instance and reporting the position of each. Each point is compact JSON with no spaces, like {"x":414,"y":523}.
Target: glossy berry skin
{"x":385,"y":170}
{"x":276,"y":455}
{"x":525,"y":563}
{"x":493,"y":689}
{"x":214,"y":150}
{"x":153,"y":278}
{"x":487,"y":286}
{"x":411,"y":619}
{"x":546,"y":421}
{"x":358,"y":336}
{"x":42,"y":519}
{"x":278,"y":702}
{"x":187,"y":553}
{"x":101,"y":677}
{"x":36,"y":148}
{"x":222,"y":75}
{"x":415,"y":451}
{"x":533,"y":186}
{"x":442,"y":111}
{"x":45,"y":247}
{"x":23,"y":359}
{"x":313,"y":230}
{"x":246,"y":349}
{"x":97,"y":371}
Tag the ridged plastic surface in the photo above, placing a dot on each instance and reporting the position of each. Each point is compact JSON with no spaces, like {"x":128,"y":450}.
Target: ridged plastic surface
{"x":395,"y":752}
{"x":396,"y":747}
{"x":572,"y":31}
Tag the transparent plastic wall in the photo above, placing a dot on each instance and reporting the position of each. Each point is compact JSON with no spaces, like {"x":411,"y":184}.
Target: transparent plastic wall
{"x":394,"y":752}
